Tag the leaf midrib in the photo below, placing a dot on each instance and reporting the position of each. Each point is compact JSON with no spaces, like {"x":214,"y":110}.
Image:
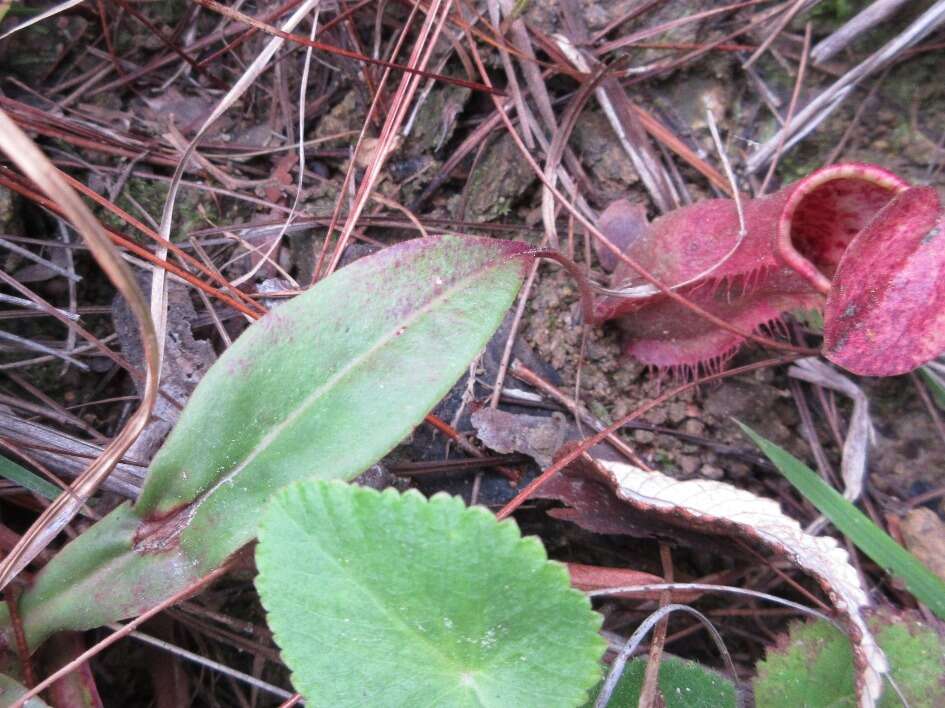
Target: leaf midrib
{"x":394,"y":332}
{"x":448,"y":661}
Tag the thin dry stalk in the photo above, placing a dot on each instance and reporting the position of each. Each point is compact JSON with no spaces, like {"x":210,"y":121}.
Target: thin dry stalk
{"x":244,"y":304}
{"x":578,"y":410}
{"x":648,"y":692}
{"x":303,"y":88}
{"x":24,"y":153}
{"x":795,"y":94}
{"x":159,"y":281}
{"x":863,"y":21}
{"x":46,"y":14}
{"x":30,"y":345}
{"x":736,"y":194}
{"x":630,"y":39}
{"x":822,"y":106}
{"x":786,"y":17}
{"x":617,"y":667}
{"x":860,"y":430}
{"x":515,"y":90}
{"x":618,"y":109}
{"x":436,"y":16}
{"x":229,"y":12}
{"x":561,"y":133}
{"x":205,"y":662}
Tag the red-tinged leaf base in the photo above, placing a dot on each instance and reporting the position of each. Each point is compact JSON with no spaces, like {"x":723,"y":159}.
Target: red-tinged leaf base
{"x":885,"y":314}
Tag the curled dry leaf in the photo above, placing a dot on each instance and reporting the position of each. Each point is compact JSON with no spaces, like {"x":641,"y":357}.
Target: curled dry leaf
{"x":860,"y":431}
{"x":535,"y":436}
{"x":719,"y":510}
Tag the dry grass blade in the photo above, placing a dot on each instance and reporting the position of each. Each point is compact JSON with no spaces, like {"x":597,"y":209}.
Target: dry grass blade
{"x":778,"y":28}
{"x":795,"y":94}
{"x":514,"y":88}
{"x":554,"y":170}
{"x":24,"y":153}
{"x":426,"y":40}
{"x":284,"y":34}
{"x":730,"y":174}
{"x":828,"y":101}
{"x":859,"y":23}
{"x":245,"y":305}
{"x":43,"y":349}
{"x":860,"y":431}
{"x":203,"y":661}
{"x":303,"y":87}
{"x":721,"y":589}
{"x":159,"y":281}
{"x":630,"y":39}
{"x":29,"y":255}
{"x":64,"y":455}
{"x":54,"y":10}
{"x":619,"y":111}
{"x":616,"y":668}
{"x":663,"y":134}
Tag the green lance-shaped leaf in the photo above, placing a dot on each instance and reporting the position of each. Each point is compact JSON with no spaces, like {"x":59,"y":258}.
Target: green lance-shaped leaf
{"x":859,"y":528}
{"x":321,"y":387}
{"x":26,"y":479}
{"x":936,"y":383}
{"x":388,"y":599}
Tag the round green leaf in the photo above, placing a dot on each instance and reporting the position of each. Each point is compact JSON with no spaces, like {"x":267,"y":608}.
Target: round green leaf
{"x":683,"y":684}
{"x":814,"y":666}
{"x":383,"y":599}
{"x":11,"y":690}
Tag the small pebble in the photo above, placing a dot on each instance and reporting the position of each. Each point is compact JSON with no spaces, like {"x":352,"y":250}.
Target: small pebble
{"x":923,"y":532}
{"x":711,"y":472}
{"x":689,"y":464}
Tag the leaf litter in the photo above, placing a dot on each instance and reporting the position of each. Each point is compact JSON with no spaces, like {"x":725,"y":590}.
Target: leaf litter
{"x":690,"y":436}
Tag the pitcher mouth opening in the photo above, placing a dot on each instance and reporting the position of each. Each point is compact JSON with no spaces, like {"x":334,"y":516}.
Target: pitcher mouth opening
{"x":826,"y":211}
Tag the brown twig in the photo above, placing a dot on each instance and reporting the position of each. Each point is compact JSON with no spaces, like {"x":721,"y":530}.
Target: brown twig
{"x":589,"y":442}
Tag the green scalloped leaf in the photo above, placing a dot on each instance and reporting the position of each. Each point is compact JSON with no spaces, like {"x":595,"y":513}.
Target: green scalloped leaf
{"x":26,"y":479}
{"x":683,"y":684}
{"x":11,"y":689}
{"x":323,"y":386}
{"x":814,"y":666}
{"x":389,"y":599}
